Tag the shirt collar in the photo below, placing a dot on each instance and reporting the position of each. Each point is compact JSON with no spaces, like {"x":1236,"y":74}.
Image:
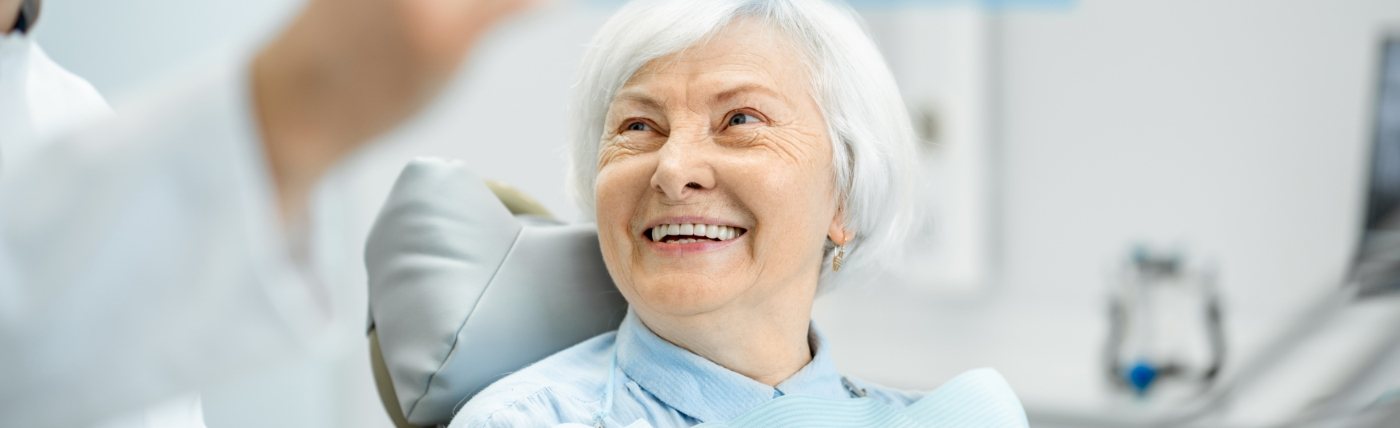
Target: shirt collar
{"x":707,"y":391}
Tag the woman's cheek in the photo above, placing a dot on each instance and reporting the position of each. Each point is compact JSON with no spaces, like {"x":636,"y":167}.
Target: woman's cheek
{"x":620,"y":191}
{"x":775,"y":185}
{"x":790,"y":204}
{"x":618,"y":181}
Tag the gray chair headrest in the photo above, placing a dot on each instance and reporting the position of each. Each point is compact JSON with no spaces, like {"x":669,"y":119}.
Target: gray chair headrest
{"x":461,"y":292}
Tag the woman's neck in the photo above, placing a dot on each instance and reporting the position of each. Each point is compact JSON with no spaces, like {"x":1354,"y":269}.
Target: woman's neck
{"x":767,"y":342}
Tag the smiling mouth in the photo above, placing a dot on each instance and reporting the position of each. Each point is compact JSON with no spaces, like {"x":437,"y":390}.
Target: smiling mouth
{"x":692,"y":233}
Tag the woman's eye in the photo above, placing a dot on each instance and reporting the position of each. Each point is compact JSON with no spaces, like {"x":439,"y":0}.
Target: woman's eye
{"x":636,"y":126}
{"x":742,"y":119}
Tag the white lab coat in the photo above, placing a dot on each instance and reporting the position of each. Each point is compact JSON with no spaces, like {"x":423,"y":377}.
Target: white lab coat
{"x":140,"y":257}
{"x":39,"y":99}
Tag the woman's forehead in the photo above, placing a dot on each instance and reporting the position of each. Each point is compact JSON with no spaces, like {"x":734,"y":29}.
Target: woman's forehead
{"x":743,"y":57}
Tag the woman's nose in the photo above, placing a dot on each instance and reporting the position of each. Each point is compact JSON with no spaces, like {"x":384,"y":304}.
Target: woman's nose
{"x":683,"y":169}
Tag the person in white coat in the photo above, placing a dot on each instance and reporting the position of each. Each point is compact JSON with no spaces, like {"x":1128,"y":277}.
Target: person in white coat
{"x":156,"y":251}
{"x":39,"y":101}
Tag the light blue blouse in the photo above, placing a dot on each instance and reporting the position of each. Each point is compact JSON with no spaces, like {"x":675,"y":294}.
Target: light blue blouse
{"x":656,"y":382}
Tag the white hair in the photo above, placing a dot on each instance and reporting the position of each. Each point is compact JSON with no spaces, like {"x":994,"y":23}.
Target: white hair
{"x":871,"y":137}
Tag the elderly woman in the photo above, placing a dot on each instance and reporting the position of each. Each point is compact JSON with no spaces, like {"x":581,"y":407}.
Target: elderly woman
{"x":740,"y":156}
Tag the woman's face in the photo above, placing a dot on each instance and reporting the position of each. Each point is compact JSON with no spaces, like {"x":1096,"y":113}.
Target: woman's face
{"x":715,"y":184}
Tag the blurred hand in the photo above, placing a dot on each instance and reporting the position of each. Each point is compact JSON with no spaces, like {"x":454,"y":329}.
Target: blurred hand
{"x":345,"y":71}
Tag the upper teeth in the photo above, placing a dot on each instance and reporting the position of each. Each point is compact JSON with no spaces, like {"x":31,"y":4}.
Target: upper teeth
{"x":723,"y":233}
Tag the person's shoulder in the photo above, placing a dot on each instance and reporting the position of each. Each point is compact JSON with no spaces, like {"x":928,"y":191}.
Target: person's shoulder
{"x":894,"y":396}
{"x":558,"y":389}
{"x":982,"y":383}
{"x":978,"y":397}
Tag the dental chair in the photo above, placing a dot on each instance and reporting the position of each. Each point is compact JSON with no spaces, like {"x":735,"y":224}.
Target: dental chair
{"x":466,"y":285}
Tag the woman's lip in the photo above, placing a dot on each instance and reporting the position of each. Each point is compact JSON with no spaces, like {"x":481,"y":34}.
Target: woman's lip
{"x":699,"y":246}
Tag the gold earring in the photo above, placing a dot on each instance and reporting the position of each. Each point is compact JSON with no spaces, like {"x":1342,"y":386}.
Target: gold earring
{"x":836,"y":261}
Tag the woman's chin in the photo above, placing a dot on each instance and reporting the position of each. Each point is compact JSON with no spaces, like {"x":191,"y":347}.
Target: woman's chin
{"x":683,"y":295}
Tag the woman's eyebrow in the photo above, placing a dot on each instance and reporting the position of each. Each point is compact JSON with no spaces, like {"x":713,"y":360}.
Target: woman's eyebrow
{"x":744,"y":88}
{"x":639,"y":97}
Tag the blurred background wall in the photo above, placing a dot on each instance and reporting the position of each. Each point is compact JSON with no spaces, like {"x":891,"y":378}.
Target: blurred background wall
{"x":1233,"y":130}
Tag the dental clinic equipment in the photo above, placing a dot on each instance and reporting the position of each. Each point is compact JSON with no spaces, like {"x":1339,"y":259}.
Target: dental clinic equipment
{"x":1332,"y":363}
{"x":1165,"y":335}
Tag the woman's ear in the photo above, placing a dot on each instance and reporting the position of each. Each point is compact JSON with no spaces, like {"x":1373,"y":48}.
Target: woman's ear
{"x":838,"y":233}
